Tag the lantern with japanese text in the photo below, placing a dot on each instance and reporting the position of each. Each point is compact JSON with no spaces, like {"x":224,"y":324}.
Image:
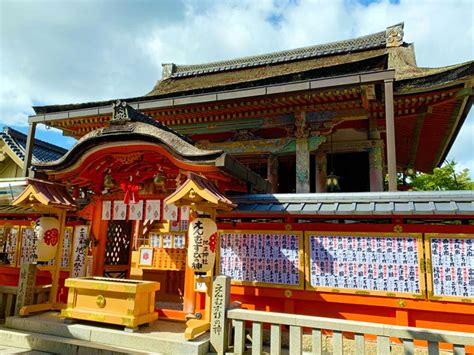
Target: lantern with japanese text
{"x":202,"y":244}
{"x":47,"y":236}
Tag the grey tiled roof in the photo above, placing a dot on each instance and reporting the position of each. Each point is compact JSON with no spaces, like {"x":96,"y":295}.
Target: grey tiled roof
{"x":42,"y":151}
{"x":370,"y":203}
{"x":372,"y":41}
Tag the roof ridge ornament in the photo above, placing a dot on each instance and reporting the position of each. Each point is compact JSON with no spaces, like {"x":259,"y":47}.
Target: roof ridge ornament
{"x":120,"y":114}
{"x":394,"y":35}
{"x":168,"y":70}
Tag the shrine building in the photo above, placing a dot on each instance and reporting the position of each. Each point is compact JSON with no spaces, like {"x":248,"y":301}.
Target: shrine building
{"x":295,"y":156}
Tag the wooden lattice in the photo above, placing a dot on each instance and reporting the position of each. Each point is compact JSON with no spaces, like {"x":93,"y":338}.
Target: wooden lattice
{"x":117,"y":250}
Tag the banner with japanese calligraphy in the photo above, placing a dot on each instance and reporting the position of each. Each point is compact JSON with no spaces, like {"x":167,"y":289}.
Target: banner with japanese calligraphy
{"x":365,"y":263}
{"x":79,"y":251}
{"x":451,"y":270}
{"x":262,"y":258}
{"x":28,"y":245}
{"x":66,"y":254}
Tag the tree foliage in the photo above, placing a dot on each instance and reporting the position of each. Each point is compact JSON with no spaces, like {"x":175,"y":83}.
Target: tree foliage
{"x":443,"y":178}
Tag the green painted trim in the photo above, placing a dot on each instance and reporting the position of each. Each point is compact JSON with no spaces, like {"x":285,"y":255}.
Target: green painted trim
{"x":465,"y":92}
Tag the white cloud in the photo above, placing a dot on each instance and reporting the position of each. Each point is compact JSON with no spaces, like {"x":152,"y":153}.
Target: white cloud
{"x":55,"y":52}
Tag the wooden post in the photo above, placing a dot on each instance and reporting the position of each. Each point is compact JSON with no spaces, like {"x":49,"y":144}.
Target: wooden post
{"x":26,"y":286}
{"x":302,"y":165}
{"x":272,"y":172}
{"x":220,"y":305}
{"x":321,"y":171}
{"x":375,"y":169}
{"x":30,"y":142}
{"x":390,"y":133}
{"x":302,"y":153}
{"x":57,"y":259}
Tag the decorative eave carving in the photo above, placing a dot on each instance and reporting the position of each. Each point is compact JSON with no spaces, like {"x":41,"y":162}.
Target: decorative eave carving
{"x":394,"y":35}
{"x":120,"y":114}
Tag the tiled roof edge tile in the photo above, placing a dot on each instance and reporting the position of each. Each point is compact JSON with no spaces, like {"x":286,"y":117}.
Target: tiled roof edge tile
{"x":372,"y":41}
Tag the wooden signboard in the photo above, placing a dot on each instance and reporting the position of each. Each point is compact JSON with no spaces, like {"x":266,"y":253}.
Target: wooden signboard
{"x":67,"y":248}
{"x":450,"y":267}
{"x":262,"y":258}
{"x":11,"y":238}
{"x":79,"y":251}
{"x":387,"y":264}
{"x":28,"y":245}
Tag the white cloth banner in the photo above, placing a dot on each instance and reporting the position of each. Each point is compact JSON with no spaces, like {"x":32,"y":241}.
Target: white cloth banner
{"x":106,"y":210}
{"x":153,"y":210}
{"x":171,"y":212}
{"x":120,"y":211}
{"x":136,"y":211}
{"x":184,"y":213}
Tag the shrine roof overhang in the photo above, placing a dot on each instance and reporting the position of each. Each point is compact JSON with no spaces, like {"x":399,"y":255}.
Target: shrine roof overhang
{"x":426,"y":203}
{"x":143,"y":138}
{"x":44,"y":196}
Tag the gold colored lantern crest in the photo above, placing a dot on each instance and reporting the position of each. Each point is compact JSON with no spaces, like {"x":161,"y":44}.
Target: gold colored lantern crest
{"x":47,"y":236}
{"x":202,"y":244}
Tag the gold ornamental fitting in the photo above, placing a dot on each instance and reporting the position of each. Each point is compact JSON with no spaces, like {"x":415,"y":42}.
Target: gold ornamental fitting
{"x":402,"y":303}
{"x":100,"y":301}
{"x":398,"y":228}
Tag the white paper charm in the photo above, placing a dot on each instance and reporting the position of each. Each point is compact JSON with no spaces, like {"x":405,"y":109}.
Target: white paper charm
{"x":106,"y":210}
{"x":120,"y":211}
{"x":136,"y":211}
{"x":153,"y":210}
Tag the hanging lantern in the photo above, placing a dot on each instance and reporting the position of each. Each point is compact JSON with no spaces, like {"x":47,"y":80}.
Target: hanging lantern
{"x":333,"y":182}
{"x":202,"y":235}
{"x":47,"y":236}
{"x":109,"y":181}
{"x":159,"y":179}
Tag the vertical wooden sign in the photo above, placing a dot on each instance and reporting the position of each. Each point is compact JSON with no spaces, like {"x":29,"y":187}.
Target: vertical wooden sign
{"x":220,"y":305}
{"x":26,"y":286}
{"x":79,"y":254}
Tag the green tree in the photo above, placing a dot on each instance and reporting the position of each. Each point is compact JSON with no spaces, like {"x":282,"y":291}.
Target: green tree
{"x":443,"y":178}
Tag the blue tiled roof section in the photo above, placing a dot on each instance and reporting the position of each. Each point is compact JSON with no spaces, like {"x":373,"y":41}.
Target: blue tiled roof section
{"x":42,"y":151}
{"x":365,"y":203}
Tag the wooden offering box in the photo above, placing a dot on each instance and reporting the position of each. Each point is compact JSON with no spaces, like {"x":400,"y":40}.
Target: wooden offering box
{"x":115,"y":301}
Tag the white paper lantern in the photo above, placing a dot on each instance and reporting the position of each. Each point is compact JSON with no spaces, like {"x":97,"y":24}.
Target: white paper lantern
{"x":202,"y":244}
{"x":47,"y":234}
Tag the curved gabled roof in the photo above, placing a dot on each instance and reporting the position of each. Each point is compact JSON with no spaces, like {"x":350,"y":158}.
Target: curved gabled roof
{"x":131,"y":127}
{"x":128,"y":124}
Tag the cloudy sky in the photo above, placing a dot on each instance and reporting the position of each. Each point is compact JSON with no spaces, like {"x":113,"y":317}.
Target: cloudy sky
{"x":59,"y":52}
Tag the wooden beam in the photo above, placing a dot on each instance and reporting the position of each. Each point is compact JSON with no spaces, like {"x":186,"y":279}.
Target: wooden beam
{"x":30,"y":142}
{"x":390,"y":133}
{"x":420,"y":119}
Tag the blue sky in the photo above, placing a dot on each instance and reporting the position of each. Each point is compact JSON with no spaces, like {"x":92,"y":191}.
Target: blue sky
{"x":59,"y":52}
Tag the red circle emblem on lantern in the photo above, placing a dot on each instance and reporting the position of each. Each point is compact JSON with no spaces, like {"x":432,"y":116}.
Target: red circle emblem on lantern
{"x":51,"y":237}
